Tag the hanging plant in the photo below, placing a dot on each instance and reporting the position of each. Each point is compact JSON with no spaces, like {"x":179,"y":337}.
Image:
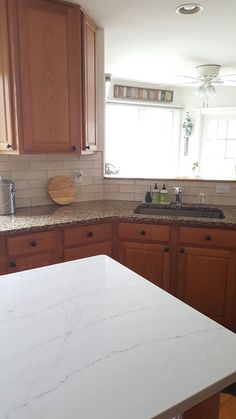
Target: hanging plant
{"x":188,"y":127}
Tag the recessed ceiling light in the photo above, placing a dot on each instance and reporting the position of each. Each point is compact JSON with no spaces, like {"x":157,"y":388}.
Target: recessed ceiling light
{"x":189,"y":9}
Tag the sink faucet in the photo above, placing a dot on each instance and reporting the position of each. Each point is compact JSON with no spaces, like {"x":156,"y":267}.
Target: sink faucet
{"x":178,"y":195}
{"x":202,"y":198}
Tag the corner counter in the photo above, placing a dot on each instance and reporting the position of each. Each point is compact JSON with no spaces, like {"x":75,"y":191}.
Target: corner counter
{"x":46,"y":217}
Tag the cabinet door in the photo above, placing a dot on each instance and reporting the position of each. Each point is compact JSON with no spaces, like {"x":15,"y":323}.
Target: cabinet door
{"x":152,"y":261}
{"x":30,"y":262}
{"x":49,"y":54}
{"x":89,"y":84}
{"x":206,"y":282}
{"x":88,"y":250}
{"x":7,"y":144}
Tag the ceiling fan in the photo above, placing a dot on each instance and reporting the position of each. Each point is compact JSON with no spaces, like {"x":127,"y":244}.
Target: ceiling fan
{"x":208,"y":76}
{"x":210,"y":73}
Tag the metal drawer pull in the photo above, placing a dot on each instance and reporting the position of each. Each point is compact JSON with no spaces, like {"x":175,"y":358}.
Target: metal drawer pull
{"x":13,"y":264}
{"x":143,"y":232}
{"x":89,"y":234}
{"x":182,"y":251}
{"x":167,"y":249}
{"x":208,"y":238}
{"x":33,"y":243}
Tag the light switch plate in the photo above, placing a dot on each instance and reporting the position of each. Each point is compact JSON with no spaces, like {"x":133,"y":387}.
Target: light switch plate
{"x":222,"y":188}
{"x":78,"y":174}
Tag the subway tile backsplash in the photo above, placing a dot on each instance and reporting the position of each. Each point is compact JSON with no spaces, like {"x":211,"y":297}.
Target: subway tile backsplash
{"x":136,"y":190}
{"x":32,"y":172}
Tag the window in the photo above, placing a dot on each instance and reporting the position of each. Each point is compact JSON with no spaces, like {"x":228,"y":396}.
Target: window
{"x":141,"y":140}
{"x":146,"y":141}
{"x":218,"y":149}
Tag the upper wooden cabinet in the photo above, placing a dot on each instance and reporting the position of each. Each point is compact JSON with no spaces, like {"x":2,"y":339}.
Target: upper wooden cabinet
{"x":52,"y":60}
{"x":89,"y":83}
{"x":6,"y":121}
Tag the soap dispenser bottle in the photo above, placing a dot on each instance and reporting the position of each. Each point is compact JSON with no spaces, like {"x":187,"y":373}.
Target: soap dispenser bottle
{"x":155,"y":194}
{"x":164,"y":195}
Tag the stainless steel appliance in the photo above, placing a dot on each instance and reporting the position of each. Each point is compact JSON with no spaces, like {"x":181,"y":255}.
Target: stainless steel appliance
{"x":7,"y":196}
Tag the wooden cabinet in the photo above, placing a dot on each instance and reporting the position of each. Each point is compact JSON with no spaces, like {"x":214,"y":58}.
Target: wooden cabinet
{"x":152,"y":261}
{"x":89,"y":83}
{"x":48,"y":87}
{"x":88,"y":240}
{"x":7,"y":140}
{"x":17,"y":264}
{"x":138,"y":252}
{"x":206,"y":275}
{"x":32,"y":250}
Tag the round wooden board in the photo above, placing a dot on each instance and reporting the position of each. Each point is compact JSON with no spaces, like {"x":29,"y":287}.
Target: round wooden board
{"x":62,"y":190}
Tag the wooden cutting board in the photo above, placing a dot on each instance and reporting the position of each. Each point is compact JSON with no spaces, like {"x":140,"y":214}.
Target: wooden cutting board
{"x":62,"y":190}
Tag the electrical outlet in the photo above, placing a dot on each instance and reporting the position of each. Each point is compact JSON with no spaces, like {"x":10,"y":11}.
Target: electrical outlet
{"x":78,"y":174}
{"x":222,"y":188}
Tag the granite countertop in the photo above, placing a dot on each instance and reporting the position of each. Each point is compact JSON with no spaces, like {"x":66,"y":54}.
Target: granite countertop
{"x":92,"y":339}
{"x":45,"y":217}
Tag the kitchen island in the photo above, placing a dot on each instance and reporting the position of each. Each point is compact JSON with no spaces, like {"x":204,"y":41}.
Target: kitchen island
{"x":91,"y":339}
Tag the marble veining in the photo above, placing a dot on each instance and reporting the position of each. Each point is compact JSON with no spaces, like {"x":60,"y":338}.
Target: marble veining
{"x":91,"y":339}
{"x":46,"y":217}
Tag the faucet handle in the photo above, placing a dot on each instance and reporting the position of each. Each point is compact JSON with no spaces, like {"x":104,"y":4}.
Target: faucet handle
{"x":202,"y":198}
{"x":177,"y":189}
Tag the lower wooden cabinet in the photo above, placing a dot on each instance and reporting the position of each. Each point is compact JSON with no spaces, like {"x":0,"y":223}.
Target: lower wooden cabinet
{"x":29,"y":262}
{"x":88,"y":240}
{"x":88,"y":250}
{"x":152,"y":261}
{"x":32,"y":250}
{"x":206,"y":281}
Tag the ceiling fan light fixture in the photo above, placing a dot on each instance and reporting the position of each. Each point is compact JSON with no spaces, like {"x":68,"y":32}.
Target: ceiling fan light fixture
{"x":211,"y":91}
{"x":189,"y":9}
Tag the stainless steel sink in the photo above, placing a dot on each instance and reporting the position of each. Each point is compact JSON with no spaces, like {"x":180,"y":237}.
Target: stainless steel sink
{"x":179,"y":211}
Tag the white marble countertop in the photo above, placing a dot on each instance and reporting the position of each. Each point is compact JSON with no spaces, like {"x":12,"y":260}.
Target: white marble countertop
{"x":90,"y":339}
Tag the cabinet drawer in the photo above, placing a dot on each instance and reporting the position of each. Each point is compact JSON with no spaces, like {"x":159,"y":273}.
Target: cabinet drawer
{"x":87,"y":251}
{"x":87,"y":234}
{"x":144,"y":232}
{"x":30,"y":262}
{"x":208,"y":236}
{"x":31,"y":243}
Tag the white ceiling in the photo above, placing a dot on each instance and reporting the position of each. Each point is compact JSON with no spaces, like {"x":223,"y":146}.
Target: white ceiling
{"x":147,"y":40}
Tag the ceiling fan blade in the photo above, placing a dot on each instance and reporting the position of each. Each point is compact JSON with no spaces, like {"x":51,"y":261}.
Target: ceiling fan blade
{"x":219,"y":81}
{"x":229,"y":82}
{"x":169,"y":86}
{"x":189,"y":77}
{"x":223,"y":76}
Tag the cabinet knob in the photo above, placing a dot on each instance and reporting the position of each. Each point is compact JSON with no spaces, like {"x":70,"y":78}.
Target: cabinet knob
{"x":13,"y":264}
{"x":208,"y":238}
{"x":87,"y":147}
{"x":182,"y":251}
{"x":33,"y":243}
{"x":167,"y":249}
{"x":9,"y":146}
{"x":73,"y":147}
{"x":142,"y":232}
{"x":89,"y":234}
